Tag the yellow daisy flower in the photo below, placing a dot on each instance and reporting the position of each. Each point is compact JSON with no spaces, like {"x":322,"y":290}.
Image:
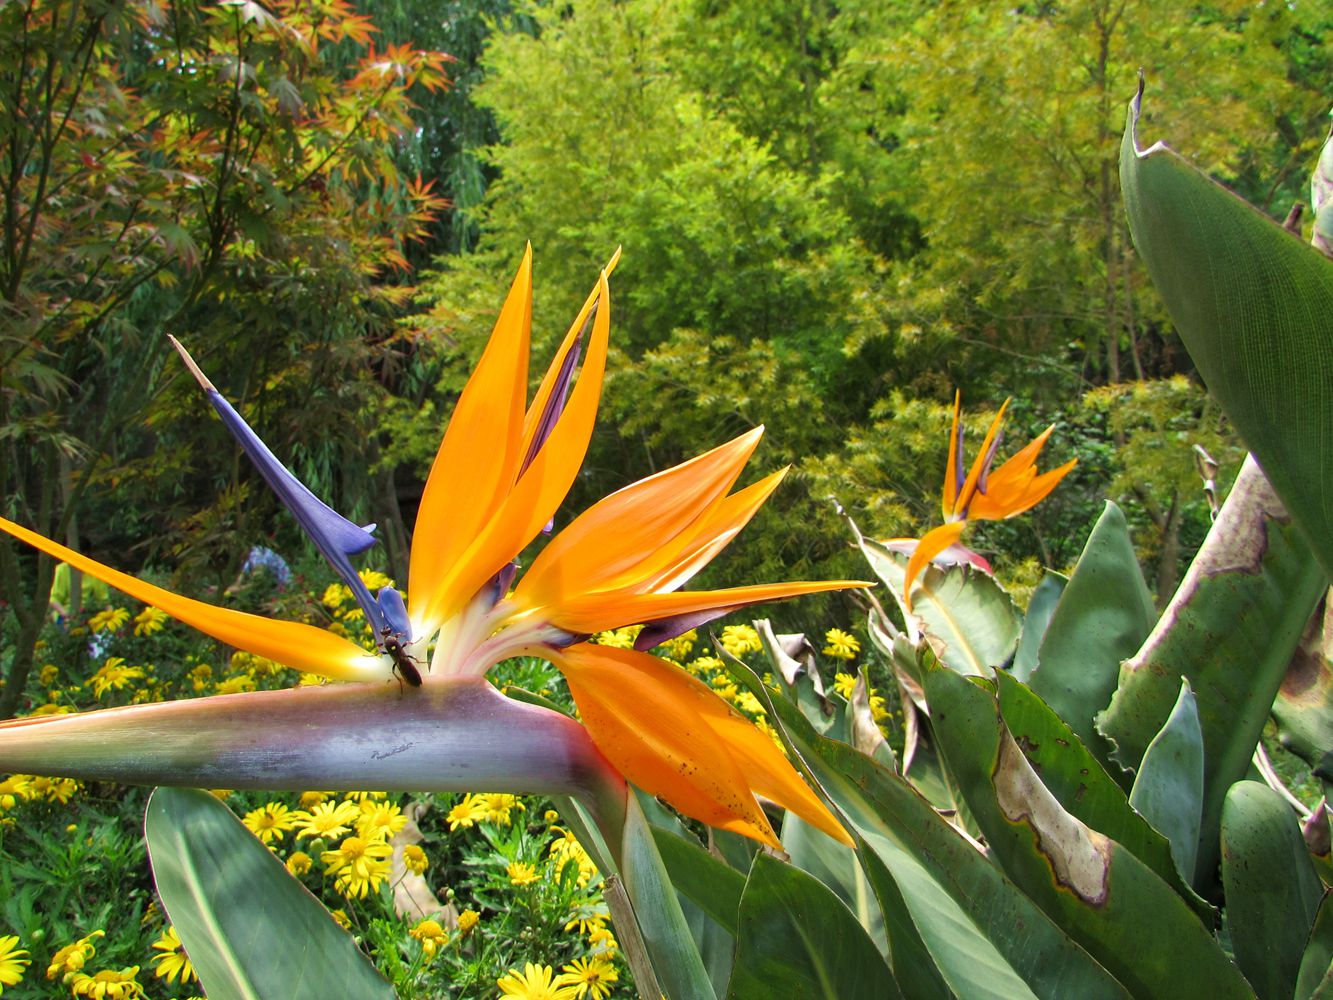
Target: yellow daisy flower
{"x":431,"y":935}
{"x":72,"y":958}
{"x":359,"y":866}
{"x":522,"y":873}
{"x":739,"y":640}
{"x":172,"y":961}
{"x":149,"y":620}
{"x":536,"y":982}
{"x":299,"y":862}
{"x":415,"y":860}
{"x":841,"y":645}
{"x":467,"y":920}
{"x":497,"y":806}
{"x":270,"y":821}
{"x":108,"y":984}
{"x":13,"y":960}
{"x":592,"y":978}
{"x":466,"y":813}
{"x":380,"y":820}
{"x":108,"y":620}
{"x":327,"y":819}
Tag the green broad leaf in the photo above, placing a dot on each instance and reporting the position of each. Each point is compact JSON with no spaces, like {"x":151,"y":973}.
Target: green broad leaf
{"x":1095,"y":889}
{"x":967,"y":618}
{"x":823,"y":857}
{"x":675,"y":957}
{"x":1041,"y":607}
{"x":251,"y":930}
{"x":1254,"y":307}
{"x":1168,"y":791}
{"x":1304,"y":705}
{"x":1103,"y":616}
{"x":1230,"y":630}
{"x":798,"y":938}
{"x":909,"y":958}
{"x":1315,"y":977}
{"x":713,"y":885}
{"x":1272,"y":891}
{"x":964,"y":909}
{"x":1085,"y":789}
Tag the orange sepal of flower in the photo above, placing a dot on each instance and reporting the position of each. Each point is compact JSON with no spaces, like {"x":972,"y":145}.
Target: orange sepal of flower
{"x":300,"y":646}
{"x":932,"y":543}
{"x":672,"y":736}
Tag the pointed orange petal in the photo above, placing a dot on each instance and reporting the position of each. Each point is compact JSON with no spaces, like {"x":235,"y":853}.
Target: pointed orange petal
{"x":302,"y":647}
{"x":589,"y":613}
{"x":644,"y":715}
{"x":713,"y":533}
{"x":1033,"y":491}
{"x":543,"y":485}
{"x":950,"y":492}
{"x":479,"y":458}
{"x":607,"y":544}
{"x":771,"y":775}
{"x":979,"y":464}
{"x":539,"y":401}
{"x":932,"y":543}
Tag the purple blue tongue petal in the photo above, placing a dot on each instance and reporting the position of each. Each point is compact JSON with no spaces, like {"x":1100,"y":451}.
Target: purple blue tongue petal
{"x":395,"y":613}
{"x":336,"y":537}
{"x":665,"y":629}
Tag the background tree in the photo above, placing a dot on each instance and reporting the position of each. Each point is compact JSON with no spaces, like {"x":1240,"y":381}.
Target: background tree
{"x":194,"y":169}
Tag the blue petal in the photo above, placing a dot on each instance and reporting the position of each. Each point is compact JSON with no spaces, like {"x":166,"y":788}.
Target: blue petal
{"x":336,"y":537}
{"x":665,"y":629}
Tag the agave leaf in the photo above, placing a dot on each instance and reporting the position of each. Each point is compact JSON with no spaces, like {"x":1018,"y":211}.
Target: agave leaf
{"x":250,"y":928}
{"x":1104,"y":614}
{"x":1230,"y":630}
{"x":1095,"y":889}
{"x":1084,"y":788}
{"x":1273,"y":893}
{"x":1254,"y":307}
{"x":795,"y":932}
{"x":963,"y":907}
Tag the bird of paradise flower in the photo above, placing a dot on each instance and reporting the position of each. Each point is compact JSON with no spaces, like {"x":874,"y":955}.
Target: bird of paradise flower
{"x":983,"y":494}
{"x":502,"y":470}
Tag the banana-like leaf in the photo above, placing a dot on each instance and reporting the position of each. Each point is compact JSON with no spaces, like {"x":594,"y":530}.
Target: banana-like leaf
{"x":1230,"y":630}
{"x":1168,"y":791}
{"x":675,"y":956}
{"x":1254,"y":307}
{"x":909,"y":958}
{"x":963,"y":907}
{"x":251,"y":930}
{"x":967,"y":618}
{"x":1084,"y":788}
{"x":1272,"y":890}
{"x":1041,"y":607}
{"x":1103,"y":616}
{"x":797,"y":937}
{"x":838,"y":868}
{"x":713,"y":885}
{"x":1095,"y":889}
{"x":1304,"y":705}
{"x":1315,"y":978}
